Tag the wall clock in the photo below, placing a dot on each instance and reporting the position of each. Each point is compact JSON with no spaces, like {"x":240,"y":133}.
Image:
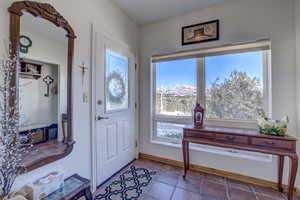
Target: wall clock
{"x":25,"y":43}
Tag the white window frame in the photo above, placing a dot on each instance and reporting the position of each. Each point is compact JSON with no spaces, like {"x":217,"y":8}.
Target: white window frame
{"x":267,"y":103}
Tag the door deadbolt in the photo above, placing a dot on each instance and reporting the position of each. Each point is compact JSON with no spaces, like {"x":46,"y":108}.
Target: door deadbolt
{"x":101,"y":118}
{"x":99,"y":102}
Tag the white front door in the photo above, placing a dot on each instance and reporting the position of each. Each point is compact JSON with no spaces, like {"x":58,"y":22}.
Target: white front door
{"x":115,"y":106}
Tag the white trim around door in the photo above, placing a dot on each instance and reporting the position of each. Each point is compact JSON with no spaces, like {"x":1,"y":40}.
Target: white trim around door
{"x":98,"y":34}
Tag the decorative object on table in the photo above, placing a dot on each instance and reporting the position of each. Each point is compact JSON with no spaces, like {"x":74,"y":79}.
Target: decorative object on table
{"x":48,"y":80}
{"x":116,"y":81}
{"x":273,"y":127}
{"x":83,"y":71}
{"x":198,"y":33}
{"x":129,"y":185}
{"x":75,"y":187}
{"x":25,"y":43}
{"x":198,"y":116}
{"x":10,"y":152}
{"x":46,"y":185}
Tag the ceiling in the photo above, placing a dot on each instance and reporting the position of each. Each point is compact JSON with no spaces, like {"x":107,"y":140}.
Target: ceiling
{"x":147,"y":11}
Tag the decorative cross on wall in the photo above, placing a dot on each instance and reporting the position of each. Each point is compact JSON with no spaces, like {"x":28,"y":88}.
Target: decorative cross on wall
{"x":48,"y":80}
{"x":83,"y":71}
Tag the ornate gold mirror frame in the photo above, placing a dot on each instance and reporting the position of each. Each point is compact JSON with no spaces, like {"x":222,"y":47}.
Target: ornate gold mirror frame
{"x":47,"y":12}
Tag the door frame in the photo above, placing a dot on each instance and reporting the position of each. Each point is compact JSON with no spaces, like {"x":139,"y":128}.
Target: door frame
{"x":95,"y":30}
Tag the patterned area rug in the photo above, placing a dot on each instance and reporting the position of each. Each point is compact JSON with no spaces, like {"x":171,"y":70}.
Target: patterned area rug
{"x":129,"y":186}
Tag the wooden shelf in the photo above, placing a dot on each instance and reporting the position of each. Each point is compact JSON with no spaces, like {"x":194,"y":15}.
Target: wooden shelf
{"x":42,"y":151}
{"x":27,"y":75}
{"x":30,"y":70}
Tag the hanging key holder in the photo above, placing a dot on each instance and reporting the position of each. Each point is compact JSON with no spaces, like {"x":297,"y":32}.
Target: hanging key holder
{"x":48,"y":80}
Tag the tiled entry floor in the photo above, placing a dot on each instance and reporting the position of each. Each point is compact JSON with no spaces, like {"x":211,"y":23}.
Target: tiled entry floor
{"x":168,"y":184}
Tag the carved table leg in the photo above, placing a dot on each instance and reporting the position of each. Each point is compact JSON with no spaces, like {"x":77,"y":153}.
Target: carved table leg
{"x":293,"y":173}
{"x":88,"y":194}
{"x":184,"y":157}
{"x":188,"y":155}
{"x":280,"y":172}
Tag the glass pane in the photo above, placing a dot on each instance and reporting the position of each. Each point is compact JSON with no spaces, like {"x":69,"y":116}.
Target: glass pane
{"x":234,"y":86}
{"x":176,"y":87}
{"x":116,"y":82}
{"x":169,"y":130}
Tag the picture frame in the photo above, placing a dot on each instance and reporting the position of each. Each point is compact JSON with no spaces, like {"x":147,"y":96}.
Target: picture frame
{"x":199,"y":33}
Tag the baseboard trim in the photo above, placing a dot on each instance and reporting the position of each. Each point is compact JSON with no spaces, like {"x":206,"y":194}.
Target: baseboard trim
{"x":222,"y":173}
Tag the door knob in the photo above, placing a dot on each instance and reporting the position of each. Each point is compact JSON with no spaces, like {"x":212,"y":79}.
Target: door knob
{"x":101,"y":118}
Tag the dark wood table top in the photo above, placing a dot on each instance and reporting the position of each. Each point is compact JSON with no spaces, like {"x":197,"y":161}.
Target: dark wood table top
{"x":72,"y":186}
{"x":238,"y":131}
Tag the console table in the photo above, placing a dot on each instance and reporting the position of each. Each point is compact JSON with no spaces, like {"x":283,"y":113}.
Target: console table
{"x":245,"y":139}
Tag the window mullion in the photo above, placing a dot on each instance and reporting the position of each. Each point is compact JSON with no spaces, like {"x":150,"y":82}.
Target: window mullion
{"x":153,"y":101}
{"x":201,"y":81}
{"x":266,"y":82}
{"x":153,"y":91}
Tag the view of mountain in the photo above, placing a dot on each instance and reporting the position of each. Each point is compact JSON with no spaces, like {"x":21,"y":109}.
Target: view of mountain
{"x":178,"y":90}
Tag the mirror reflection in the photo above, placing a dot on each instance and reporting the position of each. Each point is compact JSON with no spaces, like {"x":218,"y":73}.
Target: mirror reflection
{"x":42,"y":82}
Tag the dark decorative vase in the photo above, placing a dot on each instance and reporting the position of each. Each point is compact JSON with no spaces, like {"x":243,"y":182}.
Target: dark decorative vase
{"x":198,"y":116}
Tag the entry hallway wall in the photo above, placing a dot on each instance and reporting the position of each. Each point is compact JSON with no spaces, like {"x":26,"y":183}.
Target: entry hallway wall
{"x":80,"y":14}
{"x":240,"y":21}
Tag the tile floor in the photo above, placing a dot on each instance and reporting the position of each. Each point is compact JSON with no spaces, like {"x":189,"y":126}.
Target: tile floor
{"x":168,"y":184}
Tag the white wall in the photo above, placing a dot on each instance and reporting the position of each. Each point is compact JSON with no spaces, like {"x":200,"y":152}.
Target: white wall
{"x":241,"y":20}
{"x":79,"y":14}
{"x":33,"y":102}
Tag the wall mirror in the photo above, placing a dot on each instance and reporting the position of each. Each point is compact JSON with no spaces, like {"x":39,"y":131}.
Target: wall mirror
{"x":43,"y":42}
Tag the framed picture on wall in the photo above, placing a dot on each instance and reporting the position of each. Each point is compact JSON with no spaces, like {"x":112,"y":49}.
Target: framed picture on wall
{"x":198,"y":33}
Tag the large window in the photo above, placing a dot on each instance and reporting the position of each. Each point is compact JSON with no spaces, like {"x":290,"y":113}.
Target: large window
{"x":232,"y":88}
{"x":176,"y":87}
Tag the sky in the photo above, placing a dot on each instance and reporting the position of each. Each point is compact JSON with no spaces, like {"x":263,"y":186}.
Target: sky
{"x":183,"y":72}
